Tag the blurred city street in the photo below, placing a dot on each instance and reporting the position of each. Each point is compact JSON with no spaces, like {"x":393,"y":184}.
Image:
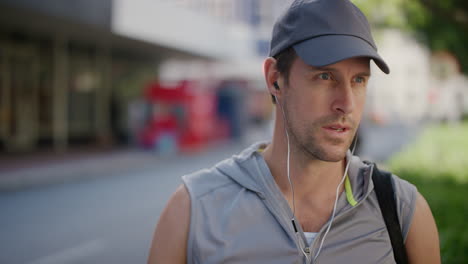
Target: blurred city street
{"x":104,"y":105}
{"x":107,"y":218}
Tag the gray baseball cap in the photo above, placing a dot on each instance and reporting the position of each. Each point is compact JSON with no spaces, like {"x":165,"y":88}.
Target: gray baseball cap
{"x":324,"y":32}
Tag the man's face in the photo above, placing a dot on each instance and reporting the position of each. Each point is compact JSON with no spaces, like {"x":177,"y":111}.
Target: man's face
{"x":323,"y":106}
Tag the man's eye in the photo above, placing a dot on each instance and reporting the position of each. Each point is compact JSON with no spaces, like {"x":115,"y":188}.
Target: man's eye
{"x":360,"y":80}
{"x":324,"y":76}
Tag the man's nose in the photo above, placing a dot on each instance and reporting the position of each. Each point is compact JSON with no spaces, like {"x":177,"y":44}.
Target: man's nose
{"x":343,"y":102}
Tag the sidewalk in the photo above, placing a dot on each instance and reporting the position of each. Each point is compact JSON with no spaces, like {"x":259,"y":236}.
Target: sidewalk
{"x":19,"y":173}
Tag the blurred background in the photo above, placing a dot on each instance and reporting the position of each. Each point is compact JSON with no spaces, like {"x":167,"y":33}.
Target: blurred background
{"x":105,"y":104}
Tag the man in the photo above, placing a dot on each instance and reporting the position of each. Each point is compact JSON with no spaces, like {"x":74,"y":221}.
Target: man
{"x":303,"y":198}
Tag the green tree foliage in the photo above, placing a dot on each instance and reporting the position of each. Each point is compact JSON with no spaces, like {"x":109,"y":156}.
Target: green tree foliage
{"x":442,"y":25}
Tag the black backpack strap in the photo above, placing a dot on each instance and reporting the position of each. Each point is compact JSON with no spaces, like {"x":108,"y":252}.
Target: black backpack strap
{"x":383,"y":187}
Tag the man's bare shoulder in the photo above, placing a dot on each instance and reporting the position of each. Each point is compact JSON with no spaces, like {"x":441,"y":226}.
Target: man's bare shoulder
{"x":170,"y":238}
{"x":422,"y":243}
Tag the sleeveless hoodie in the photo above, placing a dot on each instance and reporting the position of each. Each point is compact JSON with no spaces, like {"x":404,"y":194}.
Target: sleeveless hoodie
{"x":239,"y":215}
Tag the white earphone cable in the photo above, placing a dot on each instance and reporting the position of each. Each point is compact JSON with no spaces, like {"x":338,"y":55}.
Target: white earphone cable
{"x":336,"y":200}
{"x":293,"y":220}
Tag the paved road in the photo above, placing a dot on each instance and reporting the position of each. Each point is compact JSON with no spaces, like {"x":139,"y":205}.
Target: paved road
{"x":98,"y":220}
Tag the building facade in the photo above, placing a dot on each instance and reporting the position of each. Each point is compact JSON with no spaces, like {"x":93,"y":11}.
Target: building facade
{"x":70,"y":69}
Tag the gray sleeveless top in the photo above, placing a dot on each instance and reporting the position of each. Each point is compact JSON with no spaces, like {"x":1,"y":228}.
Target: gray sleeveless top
{"x":238,"y":215}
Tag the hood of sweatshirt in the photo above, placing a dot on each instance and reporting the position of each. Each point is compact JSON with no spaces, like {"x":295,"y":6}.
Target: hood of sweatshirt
{"x":249,"y":169}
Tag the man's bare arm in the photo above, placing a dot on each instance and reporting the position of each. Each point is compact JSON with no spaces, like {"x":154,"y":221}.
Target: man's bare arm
{"x":422,"y":243}
{"x":170,"y":238}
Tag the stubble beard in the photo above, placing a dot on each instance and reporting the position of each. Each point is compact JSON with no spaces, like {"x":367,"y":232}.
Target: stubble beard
{"x":313,"y":148}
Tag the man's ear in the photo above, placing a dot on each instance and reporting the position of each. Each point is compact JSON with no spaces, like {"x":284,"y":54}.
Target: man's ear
{"x":271,"y":76}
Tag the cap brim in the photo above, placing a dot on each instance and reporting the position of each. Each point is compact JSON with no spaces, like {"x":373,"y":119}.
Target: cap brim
{"x":330,"y":49}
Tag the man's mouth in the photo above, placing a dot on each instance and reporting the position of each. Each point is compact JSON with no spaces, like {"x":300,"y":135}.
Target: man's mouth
{"x":337,"y":128}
